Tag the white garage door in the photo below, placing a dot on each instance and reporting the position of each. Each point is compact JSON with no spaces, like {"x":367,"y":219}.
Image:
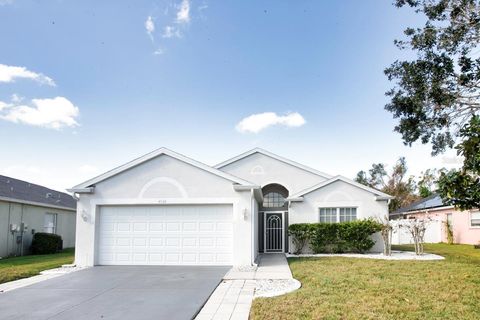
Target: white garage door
{"x":166,"y":235}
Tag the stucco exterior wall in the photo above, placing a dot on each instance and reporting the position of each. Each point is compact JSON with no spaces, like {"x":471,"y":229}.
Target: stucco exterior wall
{"x":339,"y":194}
{"x":33,"y":217}
{"x":163,"y":181}
{"x":463,"y":232}
{"x":262,"y":170}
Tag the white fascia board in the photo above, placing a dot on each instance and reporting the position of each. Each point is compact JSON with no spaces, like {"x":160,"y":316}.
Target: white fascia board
{"x":274,"y":156}
{"x":295,"y":199}
{"x":256,"y":189}
{"x":382,"y":198}
{"x":240,"y":187}
{"x":82,"y":190}
{"x":154,"y":154}
{"x":426,"y":210}
{"x":346,"y":180}
{"x":37,"y":204}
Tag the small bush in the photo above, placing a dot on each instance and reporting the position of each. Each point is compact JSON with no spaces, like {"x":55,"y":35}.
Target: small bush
{"x":301,"y":234}
{"x":353,"y":236}
{"x":45,"y":243}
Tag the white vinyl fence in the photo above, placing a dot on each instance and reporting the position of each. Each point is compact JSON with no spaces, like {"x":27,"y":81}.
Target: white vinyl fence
{"x":433,"y":233}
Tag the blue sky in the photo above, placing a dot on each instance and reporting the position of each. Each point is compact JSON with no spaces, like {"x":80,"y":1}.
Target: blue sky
{"x":89,"y":85}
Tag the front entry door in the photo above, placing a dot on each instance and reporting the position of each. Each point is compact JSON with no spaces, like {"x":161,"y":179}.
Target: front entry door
{"x":273,"y":232}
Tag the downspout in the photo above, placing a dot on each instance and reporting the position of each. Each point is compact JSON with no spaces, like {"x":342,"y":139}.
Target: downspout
{"x":21,"y":230}
{"x":8,"y":226}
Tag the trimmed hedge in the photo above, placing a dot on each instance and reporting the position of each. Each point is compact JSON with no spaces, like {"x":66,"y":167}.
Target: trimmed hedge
{"x":46,"y":243}
{"x":353,"y":236}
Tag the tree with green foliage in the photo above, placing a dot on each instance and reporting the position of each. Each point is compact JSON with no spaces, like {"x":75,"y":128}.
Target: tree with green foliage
{"x":427,"y":183}
{"x":461,"y":188}
{"x":438,"y":93}
{"x":397,"y":183}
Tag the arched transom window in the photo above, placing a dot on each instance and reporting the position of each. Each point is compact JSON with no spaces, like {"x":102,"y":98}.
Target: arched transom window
{"x":273,"y":200}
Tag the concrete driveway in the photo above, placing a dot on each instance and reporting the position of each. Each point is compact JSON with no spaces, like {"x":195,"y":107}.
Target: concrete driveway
{"x":116,"y":292}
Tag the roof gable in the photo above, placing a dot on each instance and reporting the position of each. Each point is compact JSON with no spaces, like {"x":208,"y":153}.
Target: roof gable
{"x":274,"y":156}
{"x":340,"y":178}
{"x":152,"y":155}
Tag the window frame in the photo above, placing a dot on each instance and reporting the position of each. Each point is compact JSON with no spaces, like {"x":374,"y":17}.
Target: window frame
{"x":273,"y":200}
{"x":337,"y":216}
{"x":55,"y":221}
{"x":470,"y":216}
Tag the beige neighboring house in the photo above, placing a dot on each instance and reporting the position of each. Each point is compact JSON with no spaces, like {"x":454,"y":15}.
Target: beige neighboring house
{"x":27,"y":208}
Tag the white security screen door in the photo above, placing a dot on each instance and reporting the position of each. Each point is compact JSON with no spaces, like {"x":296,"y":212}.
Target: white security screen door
{"x":166,"y":235}
{"x":273,"y":232}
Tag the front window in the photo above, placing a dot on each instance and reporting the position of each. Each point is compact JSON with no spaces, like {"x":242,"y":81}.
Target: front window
{"x":328,"y":215}
{"x":273,"y":200}
{"x":475,"y":219}
{"x":50,"y":223}
{"x":348,"y":214}
{"x":333,"y":215}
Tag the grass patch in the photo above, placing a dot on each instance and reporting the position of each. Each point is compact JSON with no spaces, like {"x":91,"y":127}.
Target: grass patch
{"x":27,"y":266}
{"x":349,"y":288}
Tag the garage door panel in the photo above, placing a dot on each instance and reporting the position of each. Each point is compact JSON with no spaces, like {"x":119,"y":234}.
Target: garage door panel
{"x":155,"y":226}
{"x":166,"y":235}
{"x":206,"y":226}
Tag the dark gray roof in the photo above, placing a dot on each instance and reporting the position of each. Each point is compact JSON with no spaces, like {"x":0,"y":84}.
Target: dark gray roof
{"x":25,"y":191}
{"x":433,"y":201}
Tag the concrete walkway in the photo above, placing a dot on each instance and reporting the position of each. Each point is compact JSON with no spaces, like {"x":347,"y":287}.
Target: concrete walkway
{"x":233,"y":297}
{"x":230,"y":301}
{"x":273,"y":266}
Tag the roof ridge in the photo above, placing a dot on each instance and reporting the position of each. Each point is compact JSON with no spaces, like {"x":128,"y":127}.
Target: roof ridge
{"x":153,"y":154}
{"x":344,"y":179}
{"x":274,"y":156}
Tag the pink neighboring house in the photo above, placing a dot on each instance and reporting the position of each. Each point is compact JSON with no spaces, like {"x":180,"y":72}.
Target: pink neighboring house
{"x":465,"y":224}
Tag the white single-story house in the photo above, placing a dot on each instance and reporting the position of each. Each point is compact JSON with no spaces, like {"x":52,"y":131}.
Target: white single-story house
{"x":167,"y":209}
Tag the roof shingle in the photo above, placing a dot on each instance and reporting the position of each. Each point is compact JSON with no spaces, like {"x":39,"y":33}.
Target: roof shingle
{"x":25,"y":191}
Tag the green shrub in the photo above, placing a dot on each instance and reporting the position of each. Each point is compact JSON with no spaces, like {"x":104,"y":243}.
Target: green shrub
{"x":357,"y":234}
{"x":353,"y":236}
{"x":45,"y":243}
{"x":301,"y":234}
{"x":325,"y":238}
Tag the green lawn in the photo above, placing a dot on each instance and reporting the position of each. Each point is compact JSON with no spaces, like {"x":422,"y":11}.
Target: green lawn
{"x":27,"y":266}
{"x":349,"y":288}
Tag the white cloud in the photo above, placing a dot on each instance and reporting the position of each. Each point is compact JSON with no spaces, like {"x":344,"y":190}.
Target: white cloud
{"x":150,"y":27}
{"x":159,"y":51}
{"x":171,"y":32}
{"x":183,"y":13}
{"x":16,"y":98}
{"x":11,"y":73}
{"x":3,"y":105}
{"x":260,"y":121}
{"x":53,"y":113}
